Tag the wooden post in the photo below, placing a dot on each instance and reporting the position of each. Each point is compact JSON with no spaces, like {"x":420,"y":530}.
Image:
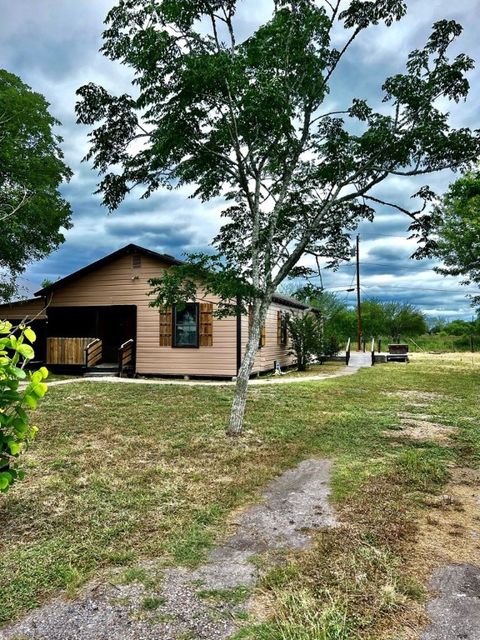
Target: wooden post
{"x":359,"y":304}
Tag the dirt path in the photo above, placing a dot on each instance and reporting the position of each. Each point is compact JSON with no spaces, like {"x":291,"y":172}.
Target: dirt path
{"x":200,"y":604}
{"x":345,"y":371}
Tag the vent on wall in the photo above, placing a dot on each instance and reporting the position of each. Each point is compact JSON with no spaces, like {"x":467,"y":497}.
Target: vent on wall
{"x":136,"y":261}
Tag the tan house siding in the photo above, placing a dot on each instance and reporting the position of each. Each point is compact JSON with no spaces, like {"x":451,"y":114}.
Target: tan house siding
{"x":118,"y":283}
{"x":123,"y":280}
{"x":272,"y":351}
{"x":23,"y":310}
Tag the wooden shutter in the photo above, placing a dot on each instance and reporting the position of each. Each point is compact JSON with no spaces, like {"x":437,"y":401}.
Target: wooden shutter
{"x":206,"y":324}
{"x":279,"y":328}
{"x":263,"y":331}
{"x":166,"y":328}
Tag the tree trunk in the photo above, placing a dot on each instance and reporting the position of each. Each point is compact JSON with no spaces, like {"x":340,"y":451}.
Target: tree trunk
{"x":237,"y":413}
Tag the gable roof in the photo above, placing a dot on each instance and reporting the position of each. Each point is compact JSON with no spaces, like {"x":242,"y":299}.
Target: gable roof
{"x":162,"y":257}
{"x":93,"y":266}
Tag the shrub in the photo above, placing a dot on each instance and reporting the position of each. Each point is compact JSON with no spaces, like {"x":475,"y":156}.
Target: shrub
{"x":16,"y":399}
{"x":307,"y":338}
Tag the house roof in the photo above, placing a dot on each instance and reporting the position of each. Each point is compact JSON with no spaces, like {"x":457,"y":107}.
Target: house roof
{"x":93,"y":266}
{"x":163,"y":257}
{"x":288,"y":301}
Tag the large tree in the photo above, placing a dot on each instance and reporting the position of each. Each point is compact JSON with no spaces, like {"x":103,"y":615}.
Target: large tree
{"x":458,"y":228}
{"x":242,"y":118}
{"x":32,"y":210}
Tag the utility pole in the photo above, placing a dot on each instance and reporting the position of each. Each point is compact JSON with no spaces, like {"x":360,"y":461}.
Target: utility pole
{"x":359,"y":304}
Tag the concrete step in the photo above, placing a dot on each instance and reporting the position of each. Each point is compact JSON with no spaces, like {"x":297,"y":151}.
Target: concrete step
{"x":103,"y":370}
{"x":360,"y":359}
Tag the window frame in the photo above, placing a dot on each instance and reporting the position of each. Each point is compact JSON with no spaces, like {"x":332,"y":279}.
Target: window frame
{"x":174,"y":326}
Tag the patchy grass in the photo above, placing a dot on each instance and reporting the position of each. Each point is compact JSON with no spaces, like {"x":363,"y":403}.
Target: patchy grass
{"x":123,"y":473}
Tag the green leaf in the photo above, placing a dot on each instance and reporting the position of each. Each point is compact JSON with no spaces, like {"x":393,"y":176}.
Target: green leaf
{"x":30,"y":334}
{"x":31,"y":401}
{"x":22,"y":414}
{"x":19,"y":373}
{"x":5,"y":326}
{"x":5,"y":479}
{"x":15,"y":447}
{"x":26,"y":351}
{"x":40,"y":389}
{"x":44,"y":372}
{"x":36,"y":377}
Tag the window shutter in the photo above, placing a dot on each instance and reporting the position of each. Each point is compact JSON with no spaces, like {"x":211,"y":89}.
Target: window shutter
{"x":263,"y":331}
{"x":166,"y":328}
{"x":206,"y":324}
{"x":279,"y":328}
{"x":263,"y":335}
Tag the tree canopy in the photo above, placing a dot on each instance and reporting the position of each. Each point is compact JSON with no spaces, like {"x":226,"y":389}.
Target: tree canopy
{"x":458,"y":227}
{"x":380,"y":318}
{"x":245,"y":119}
{"x":32,"y":210}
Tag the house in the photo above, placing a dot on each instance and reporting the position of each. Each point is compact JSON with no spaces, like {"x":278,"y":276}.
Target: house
{"x":100,"y":316}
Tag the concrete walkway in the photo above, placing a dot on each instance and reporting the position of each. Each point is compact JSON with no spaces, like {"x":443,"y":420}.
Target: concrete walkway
{"x":345,"y":371}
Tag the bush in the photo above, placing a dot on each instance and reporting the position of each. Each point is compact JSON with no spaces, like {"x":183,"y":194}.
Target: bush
{"x":307,"y":338}
{"x":15,"y":400}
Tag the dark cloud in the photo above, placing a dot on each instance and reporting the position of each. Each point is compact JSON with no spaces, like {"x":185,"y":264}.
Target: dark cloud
{"x":53,"y":45}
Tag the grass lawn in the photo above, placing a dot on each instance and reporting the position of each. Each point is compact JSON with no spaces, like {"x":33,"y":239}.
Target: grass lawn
{"x":121,"y":473}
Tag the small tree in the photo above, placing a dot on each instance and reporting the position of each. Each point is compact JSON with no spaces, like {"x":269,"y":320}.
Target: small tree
{"x":243,"y":119}
{"x":307,"y":337}
{"x":32,"y":210}
{"x":16,"y":433}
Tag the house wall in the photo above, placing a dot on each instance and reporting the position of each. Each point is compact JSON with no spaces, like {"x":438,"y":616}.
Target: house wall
{"x":272,"y":351}
{"x":23,"y":310}
{"x":119,"y":283}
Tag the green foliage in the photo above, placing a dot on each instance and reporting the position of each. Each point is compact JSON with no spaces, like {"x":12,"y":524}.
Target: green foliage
{"x":392,"y":319}
{"x":458,"y":227}
{"x":307,"y":337}
{"x":16,"y":433}
{"x":32,"y":210}
{"x":233,"y":117}
{"x":178,"y":285}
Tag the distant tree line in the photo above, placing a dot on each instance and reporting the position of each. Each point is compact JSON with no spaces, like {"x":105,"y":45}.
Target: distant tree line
{"x":392,"y":320}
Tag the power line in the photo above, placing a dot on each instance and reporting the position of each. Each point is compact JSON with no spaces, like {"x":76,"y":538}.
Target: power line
{"x":379,"y":264}
{"x":411,"y":288}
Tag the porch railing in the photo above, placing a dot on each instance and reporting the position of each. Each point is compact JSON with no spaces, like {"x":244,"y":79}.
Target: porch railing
{"x":93,"y":353}
{"x":66,"y":351}
{"x":347,"y":352}
{"x":126,"y":356}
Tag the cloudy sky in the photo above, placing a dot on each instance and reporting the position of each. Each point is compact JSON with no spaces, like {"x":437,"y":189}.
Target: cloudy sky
{"x":53,"y":46}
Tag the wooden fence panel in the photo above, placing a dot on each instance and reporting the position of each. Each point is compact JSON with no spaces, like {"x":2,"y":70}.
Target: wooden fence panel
{"x":69,"y":351}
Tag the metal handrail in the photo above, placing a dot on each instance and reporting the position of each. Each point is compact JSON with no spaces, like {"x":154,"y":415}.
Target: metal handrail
{"x":373,"y":351}
{"x":89,"y":346}
{"x":122,"y":346}
{"x":123,"y":349}
{"x":347,"y":352}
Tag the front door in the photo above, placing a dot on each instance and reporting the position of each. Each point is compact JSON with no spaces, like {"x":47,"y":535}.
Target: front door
{"x":116,"y":325}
